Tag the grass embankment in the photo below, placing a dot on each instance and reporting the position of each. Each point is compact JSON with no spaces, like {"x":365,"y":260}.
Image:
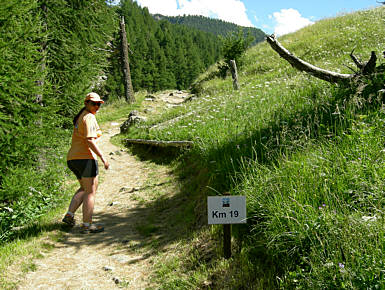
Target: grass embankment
{"x":307,"y":154}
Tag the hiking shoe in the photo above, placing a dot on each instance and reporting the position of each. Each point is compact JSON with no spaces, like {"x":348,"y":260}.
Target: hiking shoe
{"x":69,"y":220}
{"x":93,"y":228}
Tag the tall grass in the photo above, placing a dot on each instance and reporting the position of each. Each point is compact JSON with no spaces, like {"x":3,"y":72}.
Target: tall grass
{"x":307,"y":154}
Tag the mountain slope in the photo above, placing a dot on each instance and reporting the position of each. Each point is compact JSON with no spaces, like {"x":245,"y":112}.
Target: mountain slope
{"x":308,"y":155}
{"x":215,"y":26}
{"x":163,"y":55}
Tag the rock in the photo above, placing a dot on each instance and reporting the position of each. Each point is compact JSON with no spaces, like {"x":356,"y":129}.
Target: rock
{"x":128,"y":189}
{"x":133,"y":118}
{"x":108,"y":268}
{"x":150,"y":98}
{"x":189,"y":98}
{"x":122,"y":259}
{"x":114,"y":203}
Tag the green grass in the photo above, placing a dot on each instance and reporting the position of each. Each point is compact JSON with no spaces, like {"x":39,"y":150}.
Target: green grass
{"x":119,"y":109}
{"x":21,"y":252}
{"x":307,"y":154}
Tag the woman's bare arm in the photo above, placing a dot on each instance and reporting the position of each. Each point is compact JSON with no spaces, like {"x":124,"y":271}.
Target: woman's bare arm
{"x":94,"y":147}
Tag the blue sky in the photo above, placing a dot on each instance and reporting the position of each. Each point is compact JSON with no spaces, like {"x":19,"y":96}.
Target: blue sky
{"x":272,"y":16}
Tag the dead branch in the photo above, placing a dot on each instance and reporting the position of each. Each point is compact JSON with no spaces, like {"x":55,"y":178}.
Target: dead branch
{"x":358,"y":63}
{"x":370,"y":66}
{"x":160,"y":143}
{"x":301,"y":65}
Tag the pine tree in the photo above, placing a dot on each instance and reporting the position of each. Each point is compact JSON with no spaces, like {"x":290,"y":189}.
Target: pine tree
{"x":20,"y":34}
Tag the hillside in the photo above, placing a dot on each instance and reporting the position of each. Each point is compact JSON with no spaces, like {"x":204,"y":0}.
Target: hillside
{"x":307,"y":154}
{"x":215,"y":26}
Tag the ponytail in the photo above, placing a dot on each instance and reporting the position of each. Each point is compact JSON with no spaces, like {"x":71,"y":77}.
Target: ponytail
{"x":77,"y":116}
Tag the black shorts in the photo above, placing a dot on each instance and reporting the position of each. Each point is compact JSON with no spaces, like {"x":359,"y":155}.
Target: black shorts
{"x":83,"y":167}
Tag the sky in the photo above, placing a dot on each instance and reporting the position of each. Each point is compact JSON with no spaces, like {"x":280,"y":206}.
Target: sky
{"x":272,"y":16}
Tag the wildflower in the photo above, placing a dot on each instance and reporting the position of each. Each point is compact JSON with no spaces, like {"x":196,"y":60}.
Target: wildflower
{"x":321,"y":207}
{"x":369,"y":218}
{"x":8,"y":209}
{"x":342,"y":266}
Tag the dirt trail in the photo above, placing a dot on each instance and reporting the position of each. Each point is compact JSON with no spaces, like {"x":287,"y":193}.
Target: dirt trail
{"x":122,"y":255}
{"x":96,"y":261}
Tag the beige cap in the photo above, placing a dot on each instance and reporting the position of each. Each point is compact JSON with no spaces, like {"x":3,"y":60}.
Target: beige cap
{"x":94,"y":97}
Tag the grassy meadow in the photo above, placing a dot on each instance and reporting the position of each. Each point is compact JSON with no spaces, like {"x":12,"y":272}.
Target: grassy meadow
{"x":309,"y":156}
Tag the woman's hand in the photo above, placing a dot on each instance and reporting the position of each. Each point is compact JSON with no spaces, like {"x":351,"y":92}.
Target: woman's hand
{"x":106,"y":164}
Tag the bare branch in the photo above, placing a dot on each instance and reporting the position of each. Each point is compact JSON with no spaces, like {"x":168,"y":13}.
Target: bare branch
{"x":301,"y":65}
{"x":359,"y":64}
{"x":370,"y":66}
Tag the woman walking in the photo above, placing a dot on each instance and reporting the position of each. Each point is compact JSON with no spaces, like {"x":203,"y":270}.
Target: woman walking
{"x":82,"y":161}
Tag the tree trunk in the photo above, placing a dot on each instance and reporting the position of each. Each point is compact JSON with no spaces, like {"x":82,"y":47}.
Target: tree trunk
{"x":234,"y":73}
{"x":301,"y":65}
{"x":128,"y":90}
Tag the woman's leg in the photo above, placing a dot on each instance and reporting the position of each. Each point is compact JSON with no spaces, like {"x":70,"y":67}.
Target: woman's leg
{"x":77,"y":199}
{"x":90,"y":184}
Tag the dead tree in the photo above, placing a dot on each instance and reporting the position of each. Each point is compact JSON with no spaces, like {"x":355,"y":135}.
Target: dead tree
{"x":129,"y":92}
{"x":366,"y":68}
{"x":234,"y":73}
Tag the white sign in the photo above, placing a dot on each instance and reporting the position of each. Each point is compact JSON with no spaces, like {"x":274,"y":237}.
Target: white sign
{"x":226,"y":209}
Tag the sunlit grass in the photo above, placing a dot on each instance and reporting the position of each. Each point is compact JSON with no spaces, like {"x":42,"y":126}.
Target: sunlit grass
{"x":307,"y":154}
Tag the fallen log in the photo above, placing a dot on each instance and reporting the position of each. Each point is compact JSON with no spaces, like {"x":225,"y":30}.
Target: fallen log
{"x":326,"y":75}
{"x":166,"y":123}
{"x":186,"y":144}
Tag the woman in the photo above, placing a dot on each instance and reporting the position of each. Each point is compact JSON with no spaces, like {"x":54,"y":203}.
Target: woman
{"x":82,"y":161}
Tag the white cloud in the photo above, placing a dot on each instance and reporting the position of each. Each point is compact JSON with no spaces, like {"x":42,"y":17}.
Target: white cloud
{"x":228,"y":10}
{"x":289,"y":20}
{"x":164,"y":7}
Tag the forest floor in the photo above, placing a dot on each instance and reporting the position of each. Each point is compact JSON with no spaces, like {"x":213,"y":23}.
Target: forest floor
{"x":129,"y":204}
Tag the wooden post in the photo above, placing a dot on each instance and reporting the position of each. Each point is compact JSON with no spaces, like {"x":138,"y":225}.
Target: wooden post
{"x":226,"y":235}
{"x":227,"y":240}
{"x":129,"y":92}
{"x":234,"y":73}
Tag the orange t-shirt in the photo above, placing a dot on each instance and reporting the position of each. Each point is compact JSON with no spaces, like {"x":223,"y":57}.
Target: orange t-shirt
{"x":86,"y":127}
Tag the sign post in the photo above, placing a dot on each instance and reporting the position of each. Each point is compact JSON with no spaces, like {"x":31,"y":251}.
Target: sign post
{"x":226,"y":210}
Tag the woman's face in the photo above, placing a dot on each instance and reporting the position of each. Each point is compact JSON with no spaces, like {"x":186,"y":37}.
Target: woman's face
{"x":92,"y":107}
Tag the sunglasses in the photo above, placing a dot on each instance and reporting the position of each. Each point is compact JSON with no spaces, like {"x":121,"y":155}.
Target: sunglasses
{"x":95,"y":104}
